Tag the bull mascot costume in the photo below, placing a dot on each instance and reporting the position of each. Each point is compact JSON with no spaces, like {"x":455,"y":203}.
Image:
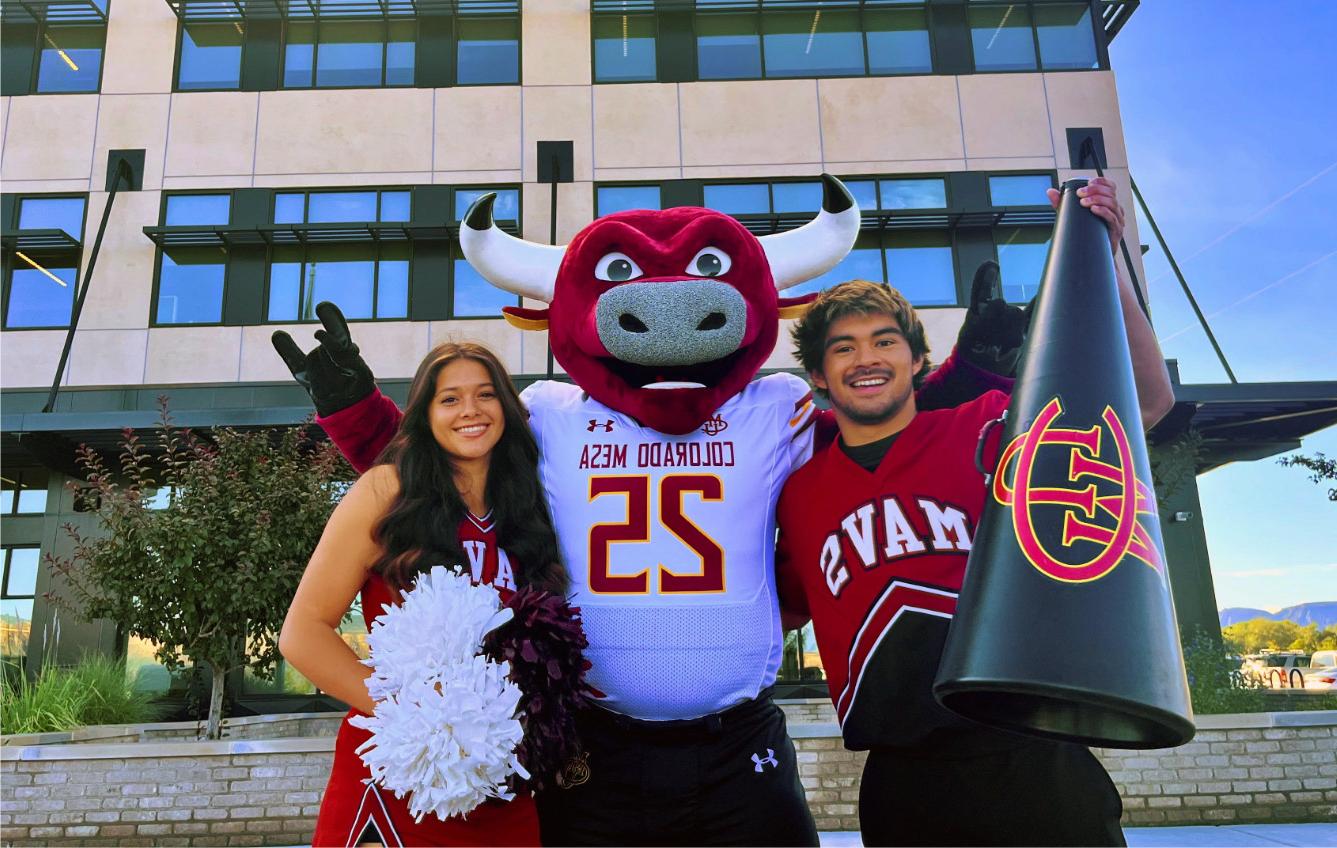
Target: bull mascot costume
{"x":663,"y":464}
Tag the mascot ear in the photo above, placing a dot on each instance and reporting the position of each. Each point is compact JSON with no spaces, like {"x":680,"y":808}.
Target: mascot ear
{"x":525,"y":319}
{"x":794,"y":307}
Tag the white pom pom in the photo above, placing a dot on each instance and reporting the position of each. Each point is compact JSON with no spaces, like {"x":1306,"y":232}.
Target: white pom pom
{"x":444,"y":732}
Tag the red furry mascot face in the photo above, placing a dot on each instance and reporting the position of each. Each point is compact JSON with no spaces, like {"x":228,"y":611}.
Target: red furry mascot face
{"x":665,"y":315}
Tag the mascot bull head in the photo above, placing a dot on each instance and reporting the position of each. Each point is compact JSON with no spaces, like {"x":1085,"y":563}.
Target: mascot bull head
{"x":662,"y":316}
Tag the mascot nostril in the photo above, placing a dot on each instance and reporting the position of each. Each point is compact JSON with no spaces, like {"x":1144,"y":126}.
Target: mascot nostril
{"x":631,"y":323}
{"x":713,"y":321}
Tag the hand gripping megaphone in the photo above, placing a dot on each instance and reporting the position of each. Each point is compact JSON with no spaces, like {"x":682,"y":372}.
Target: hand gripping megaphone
{"x":1065,"y":626}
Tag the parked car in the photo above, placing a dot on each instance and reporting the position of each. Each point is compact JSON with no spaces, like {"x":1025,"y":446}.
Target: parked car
{"x":1277,"y":669}
{"x":1322,"y":671}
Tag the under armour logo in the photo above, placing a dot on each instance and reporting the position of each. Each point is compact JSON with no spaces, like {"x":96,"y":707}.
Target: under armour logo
{"x":714,"y":425}
{"x":769,"y":758}
{"x":607,"y":425}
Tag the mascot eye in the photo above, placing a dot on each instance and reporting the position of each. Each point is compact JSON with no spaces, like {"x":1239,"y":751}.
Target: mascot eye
{"x":710,"y":262}
{"x":617,"y":268}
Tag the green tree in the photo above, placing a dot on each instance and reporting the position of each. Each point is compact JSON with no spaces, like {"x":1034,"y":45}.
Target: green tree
{"x":209,"y":577}
{"x":1320,"y":467}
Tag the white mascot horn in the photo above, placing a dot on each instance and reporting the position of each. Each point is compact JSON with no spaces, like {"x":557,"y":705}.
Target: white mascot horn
{"x":818,"y":246}
{"x":515,"y":265}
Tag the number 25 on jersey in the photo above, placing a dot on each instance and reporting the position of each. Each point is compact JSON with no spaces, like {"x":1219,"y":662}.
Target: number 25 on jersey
{"x":709,"y":575}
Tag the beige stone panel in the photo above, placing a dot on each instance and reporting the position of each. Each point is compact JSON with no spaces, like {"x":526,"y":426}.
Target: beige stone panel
{"x":941,"y":324}
{"x":212,"y":133}
{"x":478,"y":129}
{"x":45,"y":186}
{"x":494,"y":334}
{"x":758,"y":122}
{"x":181,"y":183}
{"x":783,"y":355}
{"x":475,"y":177}
{"x":1005,"y":115}
{"x":611,"y":175}
{"x":119,"y":296}
{"x":28,"y":357}
{"x":344,"y":131}
{"x":392,"y":349}
{"x":52,"y":138}
{"x":575,"y":209}
{"x":397,"y":178}
{"x":557,"y":113}
{"x":555,"y":43}
{"x":1012,"y":163}
{"x":709,"y":172}
{"x":1086,"y":100}
{"x":108,"y":357}
{"x":141,"y":48}
{"x":534,"y":354}
{"x":636,"y":126}
{"x":129,"y":122}
{"x":193,"y":355}
{"x":890,"y":118}
{"x":901,"y":166}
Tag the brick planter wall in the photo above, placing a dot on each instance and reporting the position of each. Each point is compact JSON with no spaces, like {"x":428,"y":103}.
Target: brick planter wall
{"x":1268,"y":767}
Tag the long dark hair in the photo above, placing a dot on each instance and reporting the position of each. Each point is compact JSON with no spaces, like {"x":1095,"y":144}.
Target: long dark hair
{"x":421,"y":527}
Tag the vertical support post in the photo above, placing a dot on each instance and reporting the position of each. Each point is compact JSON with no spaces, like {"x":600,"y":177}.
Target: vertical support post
{"x":556,"y":163}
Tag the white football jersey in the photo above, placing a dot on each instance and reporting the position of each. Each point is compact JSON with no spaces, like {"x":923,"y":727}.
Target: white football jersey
{"x":670,"y":541}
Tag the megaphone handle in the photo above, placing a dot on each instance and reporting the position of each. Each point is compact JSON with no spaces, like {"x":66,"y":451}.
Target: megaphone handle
{"x":979,"y":447}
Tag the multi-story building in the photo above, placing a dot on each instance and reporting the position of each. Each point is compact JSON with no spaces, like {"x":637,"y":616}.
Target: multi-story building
{"x":286,"y":153}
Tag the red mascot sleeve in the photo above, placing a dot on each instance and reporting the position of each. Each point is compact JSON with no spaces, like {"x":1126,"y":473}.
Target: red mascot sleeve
{"x":362,"y":431}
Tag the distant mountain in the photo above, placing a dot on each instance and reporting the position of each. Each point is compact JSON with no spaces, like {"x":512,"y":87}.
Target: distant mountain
{"x":1324,"y":614}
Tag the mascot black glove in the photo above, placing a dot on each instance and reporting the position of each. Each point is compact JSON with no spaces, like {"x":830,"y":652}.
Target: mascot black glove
{"x":993,"y":331}
{"x":334,"y":374}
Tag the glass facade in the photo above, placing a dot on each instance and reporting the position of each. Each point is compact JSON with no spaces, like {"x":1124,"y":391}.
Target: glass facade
{"x":1033,"y":36}
{"x":1021,"y":260}
{"x":23,"y":491}
{"x":610,"y":199}
{"x":19,"y":588}
{"x":70,"y":58}
{"x":40,"y":282}
{"x":624,"y":48}
{"x":1020,"y":189}
{"x":191,"y":279}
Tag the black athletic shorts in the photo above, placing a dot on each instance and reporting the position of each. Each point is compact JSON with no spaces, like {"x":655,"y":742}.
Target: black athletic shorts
{"x":1037,"y":793}
{"x":726,"y":779}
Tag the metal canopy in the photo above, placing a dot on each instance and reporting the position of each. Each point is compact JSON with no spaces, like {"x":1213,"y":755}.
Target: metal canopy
{"x":1246,"y":421}
{"x":352,"y":232}
{"x":909,"y":219}
{"x":46,"y":241}
{"x":52,"y":12}
{"x":234,"y":10}
{"x":1114,"y":14}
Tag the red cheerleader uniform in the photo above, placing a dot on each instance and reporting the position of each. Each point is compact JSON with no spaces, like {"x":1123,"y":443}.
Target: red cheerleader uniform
{"x":356,"y":810}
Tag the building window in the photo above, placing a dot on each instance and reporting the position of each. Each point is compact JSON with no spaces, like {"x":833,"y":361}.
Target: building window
{"x":17,"y":591}
{"x":919,"y":265}
{"x":898,"y":41}
{"x":41,"y":261}
{"x":1030,"y":36}
{"x":351,"y":51}
{"x":471,"y":295}
{"x":367,"y":280}
{"x":624,"y":48}
{"x":610,"y":199}
{"x":1022,"y":252}
{"x":1019,"y":189}
{"x":53,"y":48}
{"x":23,"y":492}
{"x":813,"y":44}
{"x":192,"y":279}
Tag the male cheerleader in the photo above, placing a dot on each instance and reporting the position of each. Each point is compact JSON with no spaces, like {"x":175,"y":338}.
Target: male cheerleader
{"x":874,"y":535}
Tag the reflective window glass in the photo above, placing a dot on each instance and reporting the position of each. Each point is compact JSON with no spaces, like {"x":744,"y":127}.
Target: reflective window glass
{"x":285,"y":287}
{"x":919,"y":265}
{"x":399,"y":52}
{"x":349,"y":53}
{"x":206,"y":209}
{"x":392,"y":282}
{"x":41,"y":292}
{"x":71,"y":58}
{"x":299,"y":54}
{"x":621,"y":198}
{"x":22,"y":577}
{"x":53,"y":213}
{"x":1022,"y":252}
{"x":15,"y":628}
{"x":210,"y":56}
{"x":914,"y":194}
{"x":727,"y":47}
{"x":344,"y":275}
{"x":488,"y":51}
{"x":475,"y":296}
{"x":797,"y":197}
{"x":190,"y":285}
{"x":505,"y":208}
{"x":1019,"y":189}
{"x":864,"y":193}
{"x":738,"y":198}
{"x":822,"y":43}
{"x":394,"y":206}
{"x":624,"y":48}
{"x":1067,"y":41}
{"x":30,"y":488}
{"x":861,"y":263}
{"x":6,"y":499}
{"x":1002,"y":38}
{"x":289,"y":208}
{"x":898,"y":41}
{"x":332,"y":206}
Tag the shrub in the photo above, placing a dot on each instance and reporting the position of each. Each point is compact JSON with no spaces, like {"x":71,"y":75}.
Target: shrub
{"x":94,"y":691}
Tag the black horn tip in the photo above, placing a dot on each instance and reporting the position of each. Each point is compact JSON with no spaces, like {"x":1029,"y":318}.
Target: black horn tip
{"x":479,"y":216}
{"x":1073,"y":184}
{"x":835,"y":197}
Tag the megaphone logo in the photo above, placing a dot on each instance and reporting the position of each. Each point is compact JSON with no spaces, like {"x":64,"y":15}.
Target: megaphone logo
{"x":1103,"y":513}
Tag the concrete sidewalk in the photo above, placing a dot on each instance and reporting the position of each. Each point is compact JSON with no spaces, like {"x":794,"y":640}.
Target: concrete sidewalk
{"x":1314,"y":835}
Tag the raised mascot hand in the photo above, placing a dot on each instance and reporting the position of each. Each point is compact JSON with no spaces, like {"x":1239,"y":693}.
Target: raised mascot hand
{"x":993,"y":331}
{"x":334,"y":374}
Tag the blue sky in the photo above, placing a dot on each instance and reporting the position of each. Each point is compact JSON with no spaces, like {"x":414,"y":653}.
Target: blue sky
{"x":1230,"y":118}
